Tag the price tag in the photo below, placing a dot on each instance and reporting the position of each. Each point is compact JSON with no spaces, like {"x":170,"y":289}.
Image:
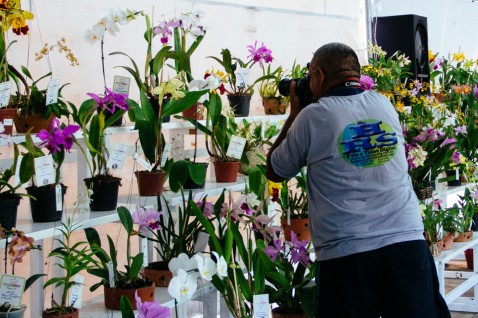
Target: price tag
{"x":52,"y":91}
{"x":242,"y":76}
{"x":11,"y":290}
{"x":236,"y":147}
{"x":261,"y":305}
{"x":59,"y":197}
{"x":177,"y":147}
{"x":166,"y":154}
{"x":144,"y":249}
{"x":111,"y":274}
{"x":5,"y":93}
{"x":457,"y":174}
{"x":44,"y":170}
{"x":121,"y":84}
{"x":117,"y":156}
{"x":76,"y":292}
{"x":8,"y":122}
{"x":17,"y":170}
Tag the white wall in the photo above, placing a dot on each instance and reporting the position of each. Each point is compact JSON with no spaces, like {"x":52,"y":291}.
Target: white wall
{"x":292,"y":29}
{"x":452,"y":24}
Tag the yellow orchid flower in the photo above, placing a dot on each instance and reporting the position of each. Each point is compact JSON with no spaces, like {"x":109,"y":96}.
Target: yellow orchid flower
{"x":431,"y":56}
{"x":273,"y":185}
{"x":459,"y":56}
{"x":172,"y":87}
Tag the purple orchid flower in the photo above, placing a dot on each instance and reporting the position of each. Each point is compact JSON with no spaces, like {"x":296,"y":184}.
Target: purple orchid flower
{"x":273,"y":251}
{"x":298,"y":251}
{"x":475,"y":91}
{"x":460,"y":130}
{"x":147,"y":219}
{"x":259,"y":54}
{"x":366,"y":82}
{"x":110,"y":101}
{"x":56,"y":138}
{"x":456,"y":157}
{"x":447,"y":141}
{"x":206,"y":207}
{"x":151,"y":309}
{"x":438,"y":63}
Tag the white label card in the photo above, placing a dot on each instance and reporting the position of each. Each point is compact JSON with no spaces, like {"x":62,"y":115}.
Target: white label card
{"x":121,"y":84}
{"x":261,"y":305}
{"x":144,"y":249}
{"x":144,"y":163}
{"x":111,"y":274}
{"x":52,"y":91}
{"x":117,"y":156}
{"x":76,"y":292}
{"x":11,"y":290}
{"x":236,"y":147}
{"x":166,"y":154}
{"x":44,"y":171}
{"x":5,"y":93}
{"x":17,"y":170}
{"x":8,"y":122}
{"x":177,"y":147}
{"x":59,"y":197}
{"x":242,"y":76}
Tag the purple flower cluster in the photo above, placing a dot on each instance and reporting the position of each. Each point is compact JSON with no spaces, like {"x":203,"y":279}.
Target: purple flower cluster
{"x":188,"y":23}
{"x":298,"y":250}
{"x":147,"y":219}
{"x":259,"y":54}
{"x":428,"y":135}
{"x":165,"y":29}
{"x":110,"y":101}
{"x":366,"y":82}
{"x":151,"y":309}
{"x":57,"y":137}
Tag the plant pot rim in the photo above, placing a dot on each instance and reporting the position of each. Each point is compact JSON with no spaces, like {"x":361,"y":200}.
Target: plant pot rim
{"x":103,"y":177}
{"x":150,"y":172}
{"x":22,"y":307}
{"x":145,"y":282}
{"x":59,"y":310}
{"x":214,"y":160}
{"x":52,"y":185}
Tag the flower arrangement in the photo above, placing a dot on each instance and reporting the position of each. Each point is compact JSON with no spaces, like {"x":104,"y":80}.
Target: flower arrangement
{"x":433,"y":216}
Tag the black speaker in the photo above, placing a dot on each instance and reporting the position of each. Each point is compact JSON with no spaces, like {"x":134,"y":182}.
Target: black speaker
{"x":407,"y":34}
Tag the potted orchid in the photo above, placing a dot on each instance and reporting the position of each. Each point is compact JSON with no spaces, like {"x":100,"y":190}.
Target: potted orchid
{"x":237,"y":70}
{"x":272,"y":101}
{"x":433,"y":216}
{"x":47,"y":192}
{"x":94,"y":116}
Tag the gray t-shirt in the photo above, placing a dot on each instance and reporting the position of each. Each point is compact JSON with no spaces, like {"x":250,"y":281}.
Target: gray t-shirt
{"x":360,"y":194}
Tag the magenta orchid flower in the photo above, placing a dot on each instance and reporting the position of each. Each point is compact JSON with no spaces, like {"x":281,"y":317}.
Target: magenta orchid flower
{"x":298,"y":251}
{"x":165,"y":29}
{"x":147,"y":219}
{"x":206,"y":207}
{"x":456,"y":157}
{"x":460,"y":130}
{"x":475,"y":91}
{"x":110,"y":101}
{"x":56,"y":138}
{"x":151,"y":309}
{"x":259,"y":54}
{"x":366,"y":82}
{"x":273,"y":251}
{"x":447,"y":141}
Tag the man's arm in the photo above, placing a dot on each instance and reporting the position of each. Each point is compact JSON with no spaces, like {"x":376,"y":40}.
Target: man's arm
{"x":294,"y":111}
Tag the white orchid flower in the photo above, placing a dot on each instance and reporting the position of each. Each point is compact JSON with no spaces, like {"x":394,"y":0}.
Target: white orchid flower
{"x":118,"y":16}
{"x":182,"y":262}
{"x":221,"y":265}
{"x":206,"y":266}
{"x":198,"y":85}
{"x":94,"y":35}
{"x":182,"y":286}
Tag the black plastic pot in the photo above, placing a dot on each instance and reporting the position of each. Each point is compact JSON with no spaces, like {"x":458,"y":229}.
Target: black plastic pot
{"x":9,"y":207}
{"x":240,"y":104}
{"x":155,"y":104}
{"x":105,"y":192}
{"x":453,"y":183}
{"x":43,"y":207}
{"x":190,"y":184}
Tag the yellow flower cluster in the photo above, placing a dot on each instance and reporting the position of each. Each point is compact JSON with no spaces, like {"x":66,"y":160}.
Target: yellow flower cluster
{"x":12,"y":16}
{"x":273,"y":185}
{"x":62,"y":48}
{"x":459,"y":56}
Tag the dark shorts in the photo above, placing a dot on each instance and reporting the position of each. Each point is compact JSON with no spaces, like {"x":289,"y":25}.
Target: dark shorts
{"x":396,"y":281}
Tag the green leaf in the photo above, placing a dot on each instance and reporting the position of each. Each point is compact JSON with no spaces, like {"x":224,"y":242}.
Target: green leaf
{"x":125,"y":218}
{"x":214,"y":108}
{"x":178,"y":175}
{"x":136,"y":265}
{"x":92,"y":236}
{"x":175,"y":107}
{"x":197,"y":172}
{"x":126,"y":308}
{"x":27,"y":168}
{"x":32,"y":279}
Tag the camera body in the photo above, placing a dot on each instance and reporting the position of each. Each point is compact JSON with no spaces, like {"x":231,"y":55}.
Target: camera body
{"x":302,"y":89}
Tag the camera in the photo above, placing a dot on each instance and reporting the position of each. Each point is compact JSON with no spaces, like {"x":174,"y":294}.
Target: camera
{"x":302,"y":90}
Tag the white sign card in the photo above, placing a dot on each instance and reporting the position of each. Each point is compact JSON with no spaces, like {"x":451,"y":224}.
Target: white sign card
{"x":117,"y":156}
{"x":76,"y":292}
{"x":111,"y":274}
{"x":11,"y":290}
{"x":177,"y":147}
{"x":7,"y":122}
{"x":142,"y":162}
{"x":166,"y":154}
{"x":44,"y":170}
{"x":121,"y":84}
{"x":17,"y":170}
{"x":59,"y":197}
{"x":261,"y":305}
{"x":236,"y":147}
{"x":5,"y":93}
{"x":242,"y":76}
{"x":52,"y":91}
{"x":144,"y":249}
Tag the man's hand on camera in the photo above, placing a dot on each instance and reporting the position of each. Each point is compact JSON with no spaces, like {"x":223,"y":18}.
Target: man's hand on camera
{"x":294,"y":100}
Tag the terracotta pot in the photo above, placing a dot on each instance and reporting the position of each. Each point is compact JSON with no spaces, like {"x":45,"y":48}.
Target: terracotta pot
{"x":6,"y":118}
{"x":448,"y":241}
{"x":469,"y":258}
{"x":74,"y":314}
{"x":277,"y":313}
{"x":150,"y":183}
{"x":435,"y":248}
{"x":464,"y":237}
{"x":300,"y":228}
{"x":113,"y":295}
{"x":25,"y":121}
{"x":14,"y":313}
{"x":226,"y":171}
{"x":191,"y":113}
{"x":159,"y":273}
{"x":275,"y":105}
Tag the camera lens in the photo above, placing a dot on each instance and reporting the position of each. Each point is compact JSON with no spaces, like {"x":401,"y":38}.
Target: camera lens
{"x":284,"y":87}
{"x":302,"y":88}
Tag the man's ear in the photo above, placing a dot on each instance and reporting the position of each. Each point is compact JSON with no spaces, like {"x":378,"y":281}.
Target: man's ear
{"x":321,"y":76}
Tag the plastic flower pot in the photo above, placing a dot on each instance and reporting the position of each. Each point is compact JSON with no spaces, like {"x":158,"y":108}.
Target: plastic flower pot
{"x":240,"y":104}
{"x":43,"y":207}
{"x":9,"y":207}
{"x":150,"y":183}
{"x":105,"y":192}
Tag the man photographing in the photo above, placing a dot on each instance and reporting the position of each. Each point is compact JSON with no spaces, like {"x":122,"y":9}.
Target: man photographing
{"x":364,"y":217}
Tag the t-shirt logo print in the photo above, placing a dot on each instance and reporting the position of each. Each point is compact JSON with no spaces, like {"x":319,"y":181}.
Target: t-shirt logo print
{"x":367,"y":143}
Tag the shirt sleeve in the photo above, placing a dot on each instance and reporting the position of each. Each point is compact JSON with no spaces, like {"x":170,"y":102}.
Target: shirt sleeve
{"x":291,"y":154}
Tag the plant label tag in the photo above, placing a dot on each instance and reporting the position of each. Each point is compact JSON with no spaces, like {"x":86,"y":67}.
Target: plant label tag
{"x":457,"y":174}
{"x":117,"y":156}
{"x":17,"y":171}
{"x":76,"y":292}
{"x":44,"y":170}
{"x":5,"y":88}
{"x":177,"y":147}
{"x":111,"y":275}
{"x":52,"y":91}
{"x":144,"y":249}
{"x":242,"y":76}
{"x":288,"y":216}
{"x":144,"y":163}
{"x":201,"y":242}
{"x":8,"y":122}
{"x":261,"y":305}
{"x":121,"y":84}
{"x":166,"y":154}
{"x":11,"y":290}
{"x":236,"y":147}
{"x":59,"y":197}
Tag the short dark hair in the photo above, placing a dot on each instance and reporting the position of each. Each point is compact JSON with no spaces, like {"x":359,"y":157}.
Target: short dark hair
{"x":337,"y":58}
